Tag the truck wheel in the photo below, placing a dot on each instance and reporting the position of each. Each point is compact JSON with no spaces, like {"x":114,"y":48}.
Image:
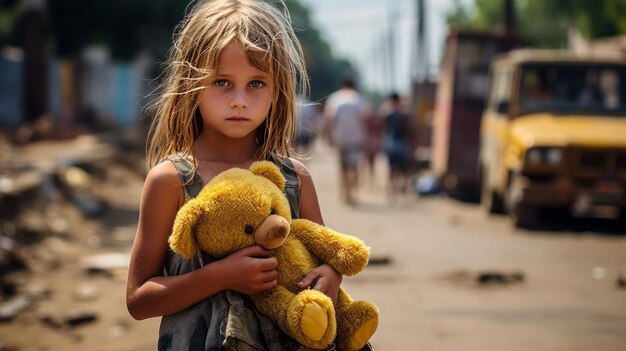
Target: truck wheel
{"x":489,"y":199}
{"x":524,"y":216}
{"x":621,"y":218}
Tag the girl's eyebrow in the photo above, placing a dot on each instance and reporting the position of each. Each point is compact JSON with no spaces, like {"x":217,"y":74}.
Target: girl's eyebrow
{"x":256,"y":76}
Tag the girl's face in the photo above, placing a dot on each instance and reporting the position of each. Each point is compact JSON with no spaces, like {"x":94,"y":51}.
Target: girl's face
{"x":237,"y":100}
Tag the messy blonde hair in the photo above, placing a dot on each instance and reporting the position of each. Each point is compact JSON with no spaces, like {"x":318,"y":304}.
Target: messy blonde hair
{"x":267,"y":36}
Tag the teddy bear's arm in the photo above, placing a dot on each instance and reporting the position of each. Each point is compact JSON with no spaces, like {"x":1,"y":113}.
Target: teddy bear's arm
{"x":345,"y":253}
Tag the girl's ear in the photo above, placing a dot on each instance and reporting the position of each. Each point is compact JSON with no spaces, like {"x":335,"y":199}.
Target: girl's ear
{"x":182,"y":239}
{"x":270,"y":171}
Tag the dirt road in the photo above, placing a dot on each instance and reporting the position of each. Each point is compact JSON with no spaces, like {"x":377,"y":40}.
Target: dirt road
{"x":542,"y":290}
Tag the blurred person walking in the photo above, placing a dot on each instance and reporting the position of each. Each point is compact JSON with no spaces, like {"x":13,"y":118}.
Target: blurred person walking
{"x":308,"y":124}
{"x":397,"y":143}
{"x":344,"y":115}
{"x":373,"y":136}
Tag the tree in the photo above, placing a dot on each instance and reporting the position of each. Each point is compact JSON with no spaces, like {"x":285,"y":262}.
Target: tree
{"x":325,"y":71}
{"x":458,"y":16}
{"x":10,"y":12}
{"x":594,"y":19}
{"x":546,"y":23}
{"x":126,"y":27}
{"x":123,"y":26}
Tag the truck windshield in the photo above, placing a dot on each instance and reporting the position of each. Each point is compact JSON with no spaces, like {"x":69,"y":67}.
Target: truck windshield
{"x":573,"y":88}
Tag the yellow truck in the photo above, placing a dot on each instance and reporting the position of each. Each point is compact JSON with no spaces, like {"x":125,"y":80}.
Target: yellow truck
{"x":553,"y":135}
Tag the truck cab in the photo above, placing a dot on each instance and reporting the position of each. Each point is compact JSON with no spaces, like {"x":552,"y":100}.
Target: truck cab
{"x":553,"y":135}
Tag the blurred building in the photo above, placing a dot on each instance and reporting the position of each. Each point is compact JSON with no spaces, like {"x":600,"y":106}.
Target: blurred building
{"x":92,"y":90}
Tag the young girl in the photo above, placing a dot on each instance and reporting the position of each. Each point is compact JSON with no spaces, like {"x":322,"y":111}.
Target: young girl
{"x":228,"y":100}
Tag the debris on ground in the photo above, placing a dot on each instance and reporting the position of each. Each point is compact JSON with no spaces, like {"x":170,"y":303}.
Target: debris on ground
{"x":485,"y":278}
{"x":621,"y":280}
{"x":379,"y":261}
{"x":9,"y":309}
{"x":426,"y":185}
{"x":105,"y":262}
{"x":57,"y":198}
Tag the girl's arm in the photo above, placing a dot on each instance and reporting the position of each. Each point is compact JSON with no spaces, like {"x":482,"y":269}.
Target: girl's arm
{"x":323,"y":278}
{"x":148,"y":292}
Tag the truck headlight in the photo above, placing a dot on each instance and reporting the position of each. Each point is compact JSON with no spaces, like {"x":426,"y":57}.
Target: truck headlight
{"x":534,"y":156}
{"x":543,"y":160}
{"x":554,"y":156}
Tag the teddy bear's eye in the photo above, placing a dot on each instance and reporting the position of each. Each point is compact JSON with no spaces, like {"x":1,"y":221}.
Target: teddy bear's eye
{"x":272,"y":211}
{"x":248,"y":229}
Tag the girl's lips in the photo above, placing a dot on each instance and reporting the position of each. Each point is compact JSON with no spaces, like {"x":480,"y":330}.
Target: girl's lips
{"x":237,"y":119}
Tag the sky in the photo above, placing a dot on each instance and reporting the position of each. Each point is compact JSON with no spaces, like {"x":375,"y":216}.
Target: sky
{"x":358,"y":30}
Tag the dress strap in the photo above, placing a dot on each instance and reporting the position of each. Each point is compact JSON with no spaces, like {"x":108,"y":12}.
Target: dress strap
{"x":292,"y":185}
{"x":190,"y":179}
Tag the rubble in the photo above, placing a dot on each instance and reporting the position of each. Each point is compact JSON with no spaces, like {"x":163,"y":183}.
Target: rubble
{"x":68,"y":321}
{"x":485,"y":278}
{"x":105,"y":262}
{"x":86,"y":293}
{"x":9,"y":309}
{"x":621,"y":280}
{"x":77,"y":186}
{"x":76,"y":318}
{"x":379,"y":261}
{"x":55,"y":199}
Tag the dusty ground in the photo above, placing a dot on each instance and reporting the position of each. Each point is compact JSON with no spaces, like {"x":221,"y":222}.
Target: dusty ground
{"x":60,"y":278}
{"x":432,"y":250}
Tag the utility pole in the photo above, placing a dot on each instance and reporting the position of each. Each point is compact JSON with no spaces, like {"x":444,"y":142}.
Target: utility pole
{"x":421,"y":61}
{"x":391,"y":49}
{"x":509,"y":17}
{"x":35,"y":73}
{"x":381,"y":47}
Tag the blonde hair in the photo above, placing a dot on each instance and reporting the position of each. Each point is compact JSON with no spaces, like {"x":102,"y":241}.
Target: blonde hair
{"x":266,"y":34}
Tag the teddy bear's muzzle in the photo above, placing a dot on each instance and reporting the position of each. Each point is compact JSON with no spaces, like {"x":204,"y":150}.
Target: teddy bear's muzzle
{"x":272,"y":232}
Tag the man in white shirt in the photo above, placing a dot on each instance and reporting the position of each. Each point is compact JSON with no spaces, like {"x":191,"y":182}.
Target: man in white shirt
{"x":345,"y":114}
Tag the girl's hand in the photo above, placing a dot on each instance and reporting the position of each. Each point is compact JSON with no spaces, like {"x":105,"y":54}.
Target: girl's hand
{"x":324,"y":278}
{"x":250,"y":270}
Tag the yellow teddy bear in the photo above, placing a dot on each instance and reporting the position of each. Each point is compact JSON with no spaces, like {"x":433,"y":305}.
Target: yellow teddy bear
{"x":239,"y":208}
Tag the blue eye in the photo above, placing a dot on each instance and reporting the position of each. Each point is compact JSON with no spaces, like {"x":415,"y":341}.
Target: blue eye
{"x":221,"y":82}
{"x":256,"y":84}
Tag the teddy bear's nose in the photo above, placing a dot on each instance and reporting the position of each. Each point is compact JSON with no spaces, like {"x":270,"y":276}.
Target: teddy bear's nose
{"x":272,"y":232}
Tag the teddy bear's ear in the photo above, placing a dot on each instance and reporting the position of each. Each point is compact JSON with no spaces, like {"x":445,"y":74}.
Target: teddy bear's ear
{"x":182,"y":240}
{"x":270,"y":171}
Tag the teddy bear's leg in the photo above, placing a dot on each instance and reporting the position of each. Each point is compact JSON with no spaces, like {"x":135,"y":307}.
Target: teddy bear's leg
{"x":308,"y":317}
{"x":356,"y":322}
{"x":312,"y":319}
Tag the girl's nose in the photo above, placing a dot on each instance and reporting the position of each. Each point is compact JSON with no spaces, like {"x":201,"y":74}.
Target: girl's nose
{"x":238,"y":100}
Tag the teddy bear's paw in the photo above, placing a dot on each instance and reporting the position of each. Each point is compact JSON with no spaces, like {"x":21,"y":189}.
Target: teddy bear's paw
{"x":312,"y":317}
{"x":357,"y":324}
{"x":314,"y":321}
{"x":363,"y":334}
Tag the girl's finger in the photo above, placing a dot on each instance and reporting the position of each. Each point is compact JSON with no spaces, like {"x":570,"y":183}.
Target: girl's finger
{"x":269,"y":276}
{"x":268,"y":264}
{"x":309,"y":280}
{"x":255,"y":251}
